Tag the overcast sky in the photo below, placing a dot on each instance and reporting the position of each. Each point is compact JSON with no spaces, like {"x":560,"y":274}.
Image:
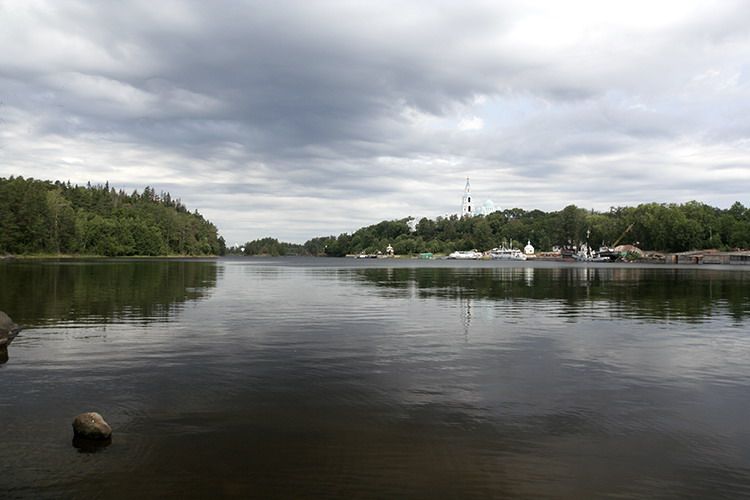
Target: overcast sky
{"x":295,"y":119}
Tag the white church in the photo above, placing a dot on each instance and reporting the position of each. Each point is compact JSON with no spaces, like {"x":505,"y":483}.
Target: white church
{"x":468,"y":207}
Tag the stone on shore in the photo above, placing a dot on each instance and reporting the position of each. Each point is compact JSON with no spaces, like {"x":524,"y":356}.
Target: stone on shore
{"x":91,"y":426}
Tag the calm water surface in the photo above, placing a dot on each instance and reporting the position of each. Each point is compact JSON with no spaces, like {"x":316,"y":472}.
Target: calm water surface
{"x":333,"y":378}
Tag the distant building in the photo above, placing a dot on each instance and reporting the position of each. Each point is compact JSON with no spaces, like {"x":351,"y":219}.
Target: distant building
{"x":488,"y":207}
{"x":468,"y":207}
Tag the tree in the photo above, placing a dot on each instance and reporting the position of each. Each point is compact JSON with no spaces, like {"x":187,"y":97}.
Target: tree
{"x":62,"y":222}
{"x":45,"y":217}
{"x":426,"y":228}
{"x":652,"y":226}
{"x":482,"y":236}
{"x":571,"y":226}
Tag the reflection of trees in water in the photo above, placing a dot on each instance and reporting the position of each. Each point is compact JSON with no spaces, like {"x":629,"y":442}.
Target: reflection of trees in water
{"x":658,"y":293}
{"x":40,"y":292}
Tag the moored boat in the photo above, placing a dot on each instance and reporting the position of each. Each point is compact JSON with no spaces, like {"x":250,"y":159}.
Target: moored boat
{"x":567,"y":253}
{"x":468,"y":254}
{"x":503,"y":253}
{"x":586,"y":254}
{"x":608,"y":253}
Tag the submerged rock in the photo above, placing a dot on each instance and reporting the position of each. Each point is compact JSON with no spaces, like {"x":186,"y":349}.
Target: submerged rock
{"x":91,"y":426}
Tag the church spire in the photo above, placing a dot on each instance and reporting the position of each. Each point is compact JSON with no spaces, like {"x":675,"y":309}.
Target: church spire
{"x":467,"y":206}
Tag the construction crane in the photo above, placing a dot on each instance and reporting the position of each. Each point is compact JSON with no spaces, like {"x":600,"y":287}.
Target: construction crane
{"x":622,"y":235}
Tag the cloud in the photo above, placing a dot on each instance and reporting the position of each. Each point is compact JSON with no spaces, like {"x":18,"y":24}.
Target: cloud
{"x":473,"y":123}
{"x":298,"y":119}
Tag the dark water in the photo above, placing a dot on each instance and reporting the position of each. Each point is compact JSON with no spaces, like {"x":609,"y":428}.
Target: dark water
{"x":327,"y":378}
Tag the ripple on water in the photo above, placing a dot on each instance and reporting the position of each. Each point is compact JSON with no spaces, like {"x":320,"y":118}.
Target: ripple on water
{"x":409,"y":383}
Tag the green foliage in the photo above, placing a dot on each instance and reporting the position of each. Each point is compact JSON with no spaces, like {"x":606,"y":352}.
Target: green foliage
{"x":482,"y":235}
{"x":315,"y":246}
{"x":42,"y":217}
{"x":655,"y":226}
{"x":571,"y":225}
{"x":271,"y":247}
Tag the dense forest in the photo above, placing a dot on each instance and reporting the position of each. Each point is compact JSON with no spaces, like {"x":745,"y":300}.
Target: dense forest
{"x":267,"y":247}
{"x":44,"y":217}
{"x":652,"y":226}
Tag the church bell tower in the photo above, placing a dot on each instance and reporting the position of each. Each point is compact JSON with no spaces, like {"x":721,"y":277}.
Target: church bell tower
{"x":467,"y":206}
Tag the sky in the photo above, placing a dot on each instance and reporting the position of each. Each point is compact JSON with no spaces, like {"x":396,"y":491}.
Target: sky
{"x":297,"y":119}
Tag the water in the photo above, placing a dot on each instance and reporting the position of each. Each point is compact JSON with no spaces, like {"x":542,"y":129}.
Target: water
{"x":335,"y":378}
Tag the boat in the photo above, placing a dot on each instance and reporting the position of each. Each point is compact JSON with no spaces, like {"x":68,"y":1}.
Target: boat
{"x":468,"y":254}
{"x":567,"y":253}
{"x":586,"y":254}
{"x":590,"y":258}
{"x":503,"y":253}
{"x":608,"y":253}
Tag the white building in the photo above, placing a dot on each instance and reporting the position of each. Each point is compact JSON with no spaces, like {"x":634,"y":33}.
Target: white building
{"x":468,"y":207}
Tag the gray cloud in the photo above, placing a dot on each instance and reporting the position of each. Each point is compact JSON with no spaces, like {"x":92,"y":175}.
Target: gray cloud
{"x":297,"y":119}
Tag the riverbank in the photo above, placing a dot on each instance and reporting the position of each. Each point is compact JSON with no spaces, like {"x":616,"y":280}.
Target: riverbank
{"x":92,"y":256}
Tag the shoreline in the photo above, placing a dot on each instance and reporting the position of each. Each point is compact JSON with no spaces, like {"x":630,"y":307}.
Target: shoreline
{"x":82,"y":256}
{"x":699,"y":257}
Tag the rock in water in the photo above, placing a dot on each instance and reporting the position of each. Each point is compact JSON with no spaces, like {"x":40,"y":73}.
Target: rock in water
{"x":8,"y":331}
{"x":91,"y":426}
{"x":7,"y":327}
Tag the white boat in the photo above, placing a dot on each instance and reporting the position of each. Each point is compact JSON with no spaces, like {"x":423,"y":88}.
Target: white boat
{"x":586,"y":254}
{"x":503,"y":253}
{"x":469,"y":254}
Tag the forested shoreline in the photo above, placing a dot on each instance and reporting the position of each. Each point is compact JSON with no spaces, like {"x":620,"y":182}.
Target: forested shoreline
{"x":57,"y":218}
{"x":665,"y":227}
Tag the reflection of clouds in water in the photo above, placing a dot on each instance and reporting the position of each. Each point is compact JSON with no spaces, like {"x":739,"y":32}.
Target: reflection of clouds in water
{"x":423,"y":344}
{"x":334,"y":372}
{"x":607,"y":320}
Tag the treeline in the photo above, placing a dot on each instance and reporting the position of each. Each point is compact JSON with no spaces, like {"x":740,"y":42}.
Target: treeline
{"x":44,"y":217}
{"x":267,"y":247}
{"x":652,"y":226}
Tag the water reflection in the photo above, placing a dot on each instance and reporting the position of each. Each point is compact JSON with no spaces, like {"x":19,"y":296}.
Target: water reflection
{"x":656,"y":294}
{"x":77,"y":293}
{"x":84,"y":445}
{"x":101,"y":291}
{"x":295,"y":381}
{"x":4,"y":352}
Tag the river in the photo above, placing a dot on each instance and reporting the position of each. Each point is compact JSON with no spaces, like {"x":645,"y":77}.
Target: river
{"x":383,"y":378}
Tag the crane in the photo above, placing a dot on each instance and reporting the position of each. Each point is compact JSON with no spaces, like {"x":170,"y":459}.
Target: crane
{"x":609,"y":252}
{"x":623,"y":235}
